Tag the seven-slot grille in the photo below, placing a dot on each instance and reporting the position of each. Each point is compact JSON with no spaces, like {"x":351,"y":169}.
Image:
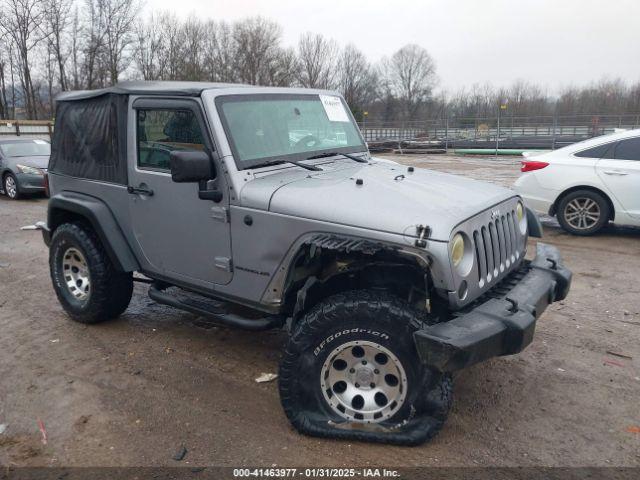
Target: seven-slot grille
{"x":496,"y":247}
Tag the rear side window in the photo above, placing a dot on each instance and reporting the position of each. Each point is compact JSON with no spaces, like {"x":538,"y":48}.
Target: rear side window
{"x":89,"y":139}
{"x":628,"y":149}
{"x":596,"y":152}
{"x":161,"y":131}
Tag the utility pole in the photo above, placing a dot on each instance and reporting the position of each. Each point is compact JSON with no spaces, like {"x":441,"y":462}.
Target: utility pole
{"x":364,"y":125}
{"x":503,"y":106}
{"x":446,"y":134}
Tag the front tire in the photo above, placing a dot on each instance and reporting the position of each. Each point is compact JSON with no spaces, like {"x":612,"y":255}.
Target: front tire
{"x":86,"y":283}
{"x":351,"y":371}
{"x":583,"y":212}
{"x":11,"y":186}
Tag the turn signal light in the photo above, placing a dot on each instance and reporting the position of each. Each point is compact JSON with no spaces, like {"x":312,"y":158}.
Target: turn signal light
{"x":530,"y":165}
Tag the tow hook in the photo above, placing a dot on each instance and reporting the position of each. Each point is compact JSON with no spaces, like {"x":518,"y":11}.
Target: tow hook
{"x":514,"y":305}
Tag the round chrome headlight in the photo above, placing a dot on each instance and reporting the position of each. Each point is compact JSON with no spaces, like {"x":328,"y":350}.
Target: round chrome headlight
{"x":457,"y":249}
{"x":522,"y":218}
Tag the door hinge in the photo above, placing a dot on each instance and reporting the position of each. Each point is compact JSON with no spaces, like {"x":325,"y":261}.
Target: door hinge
{"x":220,"y":213}
{"x":223,"y":263}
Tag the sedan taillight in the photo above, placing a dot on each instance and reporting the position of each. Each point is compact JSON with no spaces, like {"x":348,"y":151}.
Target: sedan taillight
{"x":530,"y":165}
{"x":46,"y":184}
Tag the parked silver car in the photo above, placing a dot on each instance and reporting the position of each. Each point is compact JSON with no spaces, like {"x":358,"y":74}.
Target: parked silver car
{"x":23,"y":165}
{"x":262,"y":208}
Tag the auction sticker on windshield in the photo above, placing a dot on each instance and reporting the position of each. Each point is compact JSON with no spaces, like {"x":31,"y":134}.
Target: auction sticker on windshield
{"x":334,"y":108}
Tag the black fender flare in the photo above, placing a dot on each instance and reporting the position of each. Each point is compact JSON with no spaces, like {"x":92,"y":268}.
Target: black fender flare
{"x":533,"y":224}
{"x":102,"y":220}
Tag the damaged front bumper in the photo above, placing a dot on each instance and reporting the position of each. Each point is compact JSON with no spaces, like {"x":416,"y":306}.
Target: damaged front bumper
{"x":502,"y":325}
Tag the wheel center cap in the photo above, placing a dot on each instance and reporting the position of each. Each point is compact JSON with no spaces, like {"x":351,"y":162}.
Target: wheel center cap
{"x":364,"y":376}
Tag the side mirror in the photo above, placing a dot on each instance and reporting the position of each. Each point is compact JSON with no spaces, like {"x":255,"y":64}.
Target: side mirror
{"x":190,"y":166}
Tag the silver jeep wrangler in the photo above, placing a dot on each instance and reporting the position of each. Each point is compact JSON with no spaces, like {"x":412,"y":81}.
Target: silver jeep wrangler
{"x":262,"y":208}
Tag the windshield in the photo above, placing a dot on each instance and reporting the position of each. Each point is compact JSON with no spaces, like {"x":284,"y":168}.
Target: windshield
{"x":270,"y":128}
{"x":26,"y":148}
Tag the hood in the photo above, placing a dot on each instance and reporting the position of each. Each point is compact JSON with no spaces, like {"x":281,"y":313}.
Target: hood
{"x":390,"y":198}
{"x":38,"y":161}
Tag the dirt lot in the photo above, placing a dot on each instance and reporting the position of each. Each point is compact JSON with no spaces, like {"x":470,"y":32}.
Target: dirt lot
{"x":133,"y":391}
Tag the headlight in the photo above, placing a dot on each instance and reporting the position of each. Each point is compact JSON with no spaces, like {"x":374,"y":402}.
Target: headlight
{"x":457,"y":249}
{"x":29,"y":170}
{"x":522,"y":218}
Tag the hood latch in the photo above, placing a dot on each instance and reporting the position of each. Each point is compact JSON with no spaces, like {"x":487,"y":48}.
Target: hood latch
{"x":423,"y":232}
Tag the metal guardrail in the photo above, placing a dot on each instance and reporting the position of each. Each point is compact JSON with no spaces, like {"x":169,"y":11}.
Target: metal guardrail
{"x":31,"y":128}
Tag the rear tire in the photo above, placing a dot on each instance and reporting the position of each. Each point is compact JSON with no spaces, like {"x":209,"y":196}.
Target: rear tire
{"x":583,"y":212}
{"x":87,"y":284}
{"x":351,"y":371}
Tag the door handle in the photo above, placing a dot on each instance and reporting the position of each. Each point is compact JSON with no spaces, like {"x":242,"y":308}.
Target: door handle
{"x":615,"y":172}
{"x":140,"y":191}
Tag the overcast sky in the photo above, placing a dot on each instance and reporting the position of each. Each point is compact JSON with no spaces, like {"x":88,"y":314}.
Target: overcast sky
{"x":553,"y":42}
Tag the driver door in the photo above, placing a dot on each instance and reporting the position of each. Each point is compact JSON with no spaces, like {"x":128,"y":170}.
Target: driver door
{"x":180,"y":236}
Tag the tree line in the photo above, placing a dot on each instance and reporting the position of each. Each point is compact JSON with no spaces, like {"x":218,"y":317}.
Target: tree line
{"x":49,"y":46}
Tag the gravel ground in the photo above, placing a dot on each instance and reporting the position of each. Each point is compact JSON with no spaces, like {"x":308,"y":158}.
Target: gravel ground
{"x":132,"y":392}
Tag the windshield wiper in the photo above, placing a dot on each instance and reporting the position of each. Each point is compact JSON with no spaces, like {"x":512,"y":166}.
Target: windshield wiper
{"x":293,"y":162}
{"x":333,"y":154}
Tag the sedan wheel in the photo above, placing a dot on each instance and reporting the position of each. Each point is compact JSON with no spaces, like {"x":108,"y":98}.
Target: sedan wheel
{"x":11,"y":186}
{"x":583,"y":212}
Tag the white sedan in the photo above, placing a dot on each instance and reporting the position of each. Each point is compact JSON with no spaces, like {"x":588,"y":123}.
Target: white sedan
{"x":587,"y":184}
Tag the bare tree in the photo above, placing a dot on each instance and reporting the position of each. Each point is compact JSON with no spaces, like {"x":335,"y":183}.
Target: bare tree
{"x":93,"y":32}
{"x":170,"y":60}
{"x":22,"y":20}
{"x":410,"y":75}
{"x":50,"y":62}
{"x":284,"y":69}
{"x":256,"y":41}
{"x":4,"y":52}
{"x":194,"y":35}
{"x":149,"y":48}
{"x":356,"y":79}
{"x":75,"y":48}
{"x":318,"y":61}
{"x":220,"y":52}
{"x":57,"y":21}
{"x":119,"y":23}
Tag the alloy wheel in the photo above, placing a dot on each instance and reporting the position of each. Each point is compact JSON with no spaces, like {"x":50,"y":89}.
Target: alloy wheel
{"x":76,"y":273}
{"x":582,"y":213}
{"x":363,"y":382}
{"x":10,"y":186}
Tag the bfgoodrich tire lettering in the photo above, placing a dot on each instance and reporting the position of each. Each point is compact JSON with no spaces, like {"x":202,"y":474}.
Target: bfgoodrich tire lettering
{"x":370,"y":318}
{"x":110,"y":290}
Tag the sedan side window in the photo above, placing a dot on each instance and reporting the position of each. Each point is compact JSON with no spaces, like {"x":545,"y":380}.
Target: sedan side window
{"x":162,"y":131}
{"x":628,"y":149}
{"x":596,"y":152}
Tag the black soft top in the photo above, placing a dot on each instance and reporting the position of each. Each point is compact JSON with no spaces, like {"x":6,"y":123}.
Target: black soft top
{"x":90,"y":134}
{"x":184,"y":89}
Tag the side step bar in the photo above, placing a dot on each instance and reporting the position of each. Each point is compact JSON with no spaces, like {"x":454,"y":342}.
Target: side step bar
{"x":215,"y":313}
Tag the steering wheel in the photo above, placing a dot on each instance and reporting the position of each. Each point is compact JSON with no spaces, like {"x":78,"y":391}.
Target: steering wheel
{"x":307,"y":141}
